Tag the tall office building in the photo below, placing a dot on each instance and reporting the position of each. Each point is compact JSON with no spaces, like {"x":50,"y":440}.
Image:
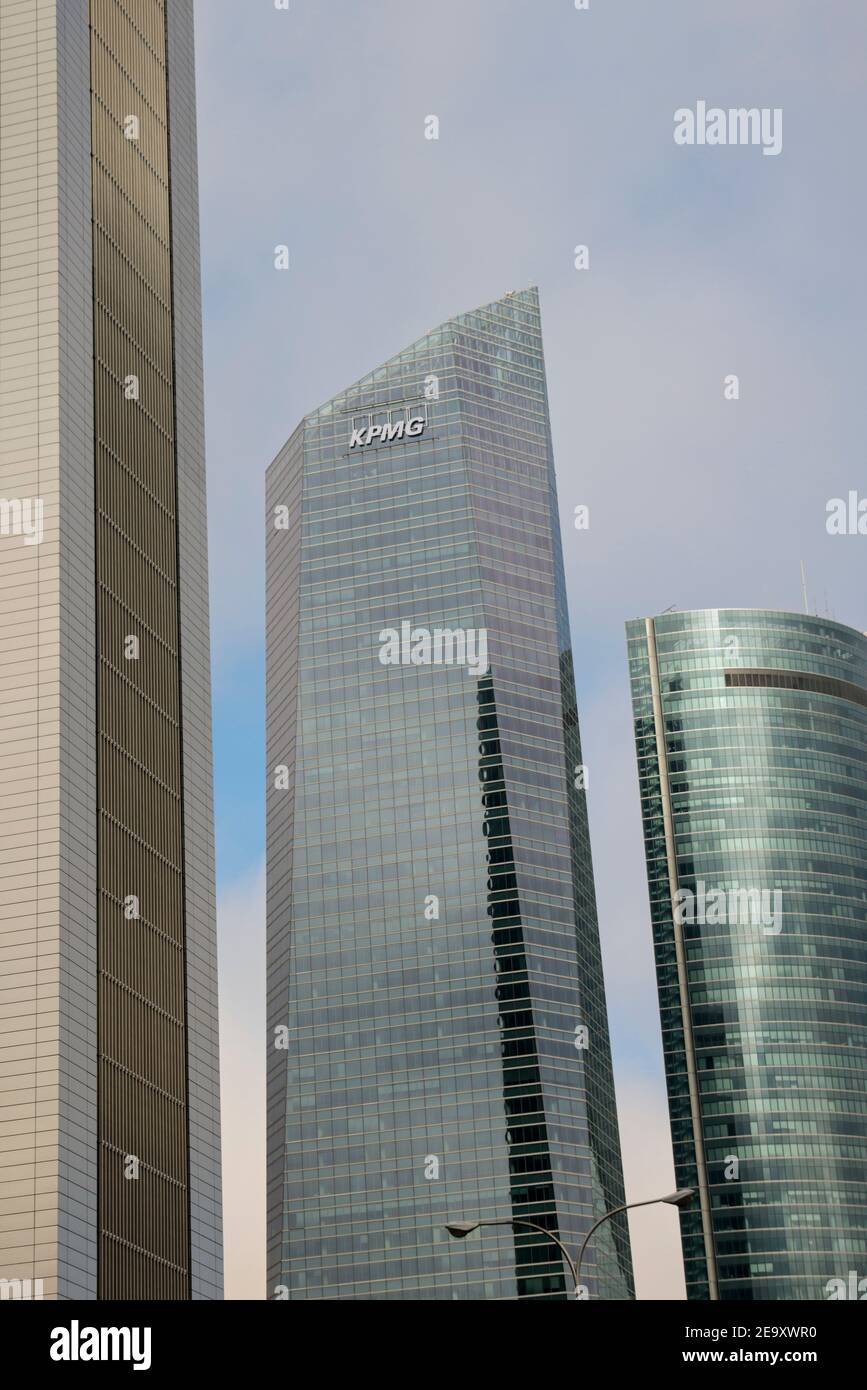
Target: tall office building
{"x":109,"y":1119}
{"x":751,"y":730}
{"x":438,"y":1043}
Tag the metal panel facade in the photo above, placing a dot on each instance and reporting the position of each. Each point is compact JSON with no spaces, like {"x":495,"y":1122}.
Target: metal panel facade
{"x":108,"y":1010}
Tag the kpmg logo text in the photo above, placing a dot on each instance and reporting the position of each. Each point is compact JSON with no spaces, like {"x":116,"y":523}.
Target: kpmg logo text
{"x":389,"y":431}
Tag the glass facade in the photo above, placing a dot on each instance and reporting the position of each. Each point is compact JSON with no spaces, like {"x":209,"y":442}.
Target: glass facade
{"x":433,"y":948}
{"x":751,"y":732}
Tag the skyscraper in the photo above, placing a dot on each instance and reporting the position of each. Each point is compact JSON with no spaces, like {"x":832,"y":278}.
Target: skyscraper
{"x":438,"y":1041}
{"x":109,"y":1111}
{"x":751,"y":730}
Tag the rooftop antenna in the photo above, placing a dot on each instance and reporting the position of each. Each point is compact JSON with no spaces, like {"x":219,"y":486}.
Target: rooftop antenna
{"x":804,"y":587}
{"x":670,"y":609}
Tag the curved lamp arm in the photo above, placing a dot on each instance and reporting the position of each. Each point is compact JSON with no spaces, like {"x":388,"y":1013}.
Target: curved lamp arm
{"x":460,"y":1229}
{"x":681,"y":1198}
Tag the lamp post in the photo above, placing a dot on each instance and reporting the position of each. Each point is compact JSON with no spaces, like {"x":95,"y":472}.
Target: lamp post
{"x":459,"y":1230}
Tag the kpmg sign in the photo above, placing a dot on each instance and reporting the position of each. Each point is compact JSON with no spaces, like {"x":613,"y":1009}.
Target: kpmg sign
{"x":407,"y":426}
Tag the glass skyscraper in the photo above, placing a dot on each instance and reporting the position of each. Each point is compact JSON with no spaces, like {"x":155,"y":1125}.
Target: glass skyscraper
{"x":438,"y":1043}
{"x":751,"y":731}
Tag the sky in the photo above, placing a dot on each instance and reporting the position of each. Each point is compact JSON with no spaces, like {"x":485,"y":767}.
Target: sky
{"x":556,"y":130}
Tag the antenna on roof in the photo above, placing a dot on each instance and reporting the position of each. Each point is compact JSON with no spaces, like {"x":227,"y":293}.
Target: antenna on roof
{"x":804,"y":587}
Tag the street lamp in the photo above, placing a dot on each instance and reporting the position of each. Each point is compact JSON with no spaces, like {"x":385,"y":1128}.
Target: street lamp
{"x":459,"y":1230}
{"x":681,"y":1198}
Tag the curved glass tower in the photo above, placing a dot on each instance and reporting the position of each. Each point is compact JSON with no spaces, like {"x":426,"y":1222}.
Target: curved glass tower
{"x":751,"y":731}
{"x":438,"y":1038}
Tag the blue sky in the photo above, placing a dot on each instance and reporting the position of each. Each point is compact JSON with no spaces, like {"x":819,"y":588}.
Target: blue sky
{"x":556,"y":129}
